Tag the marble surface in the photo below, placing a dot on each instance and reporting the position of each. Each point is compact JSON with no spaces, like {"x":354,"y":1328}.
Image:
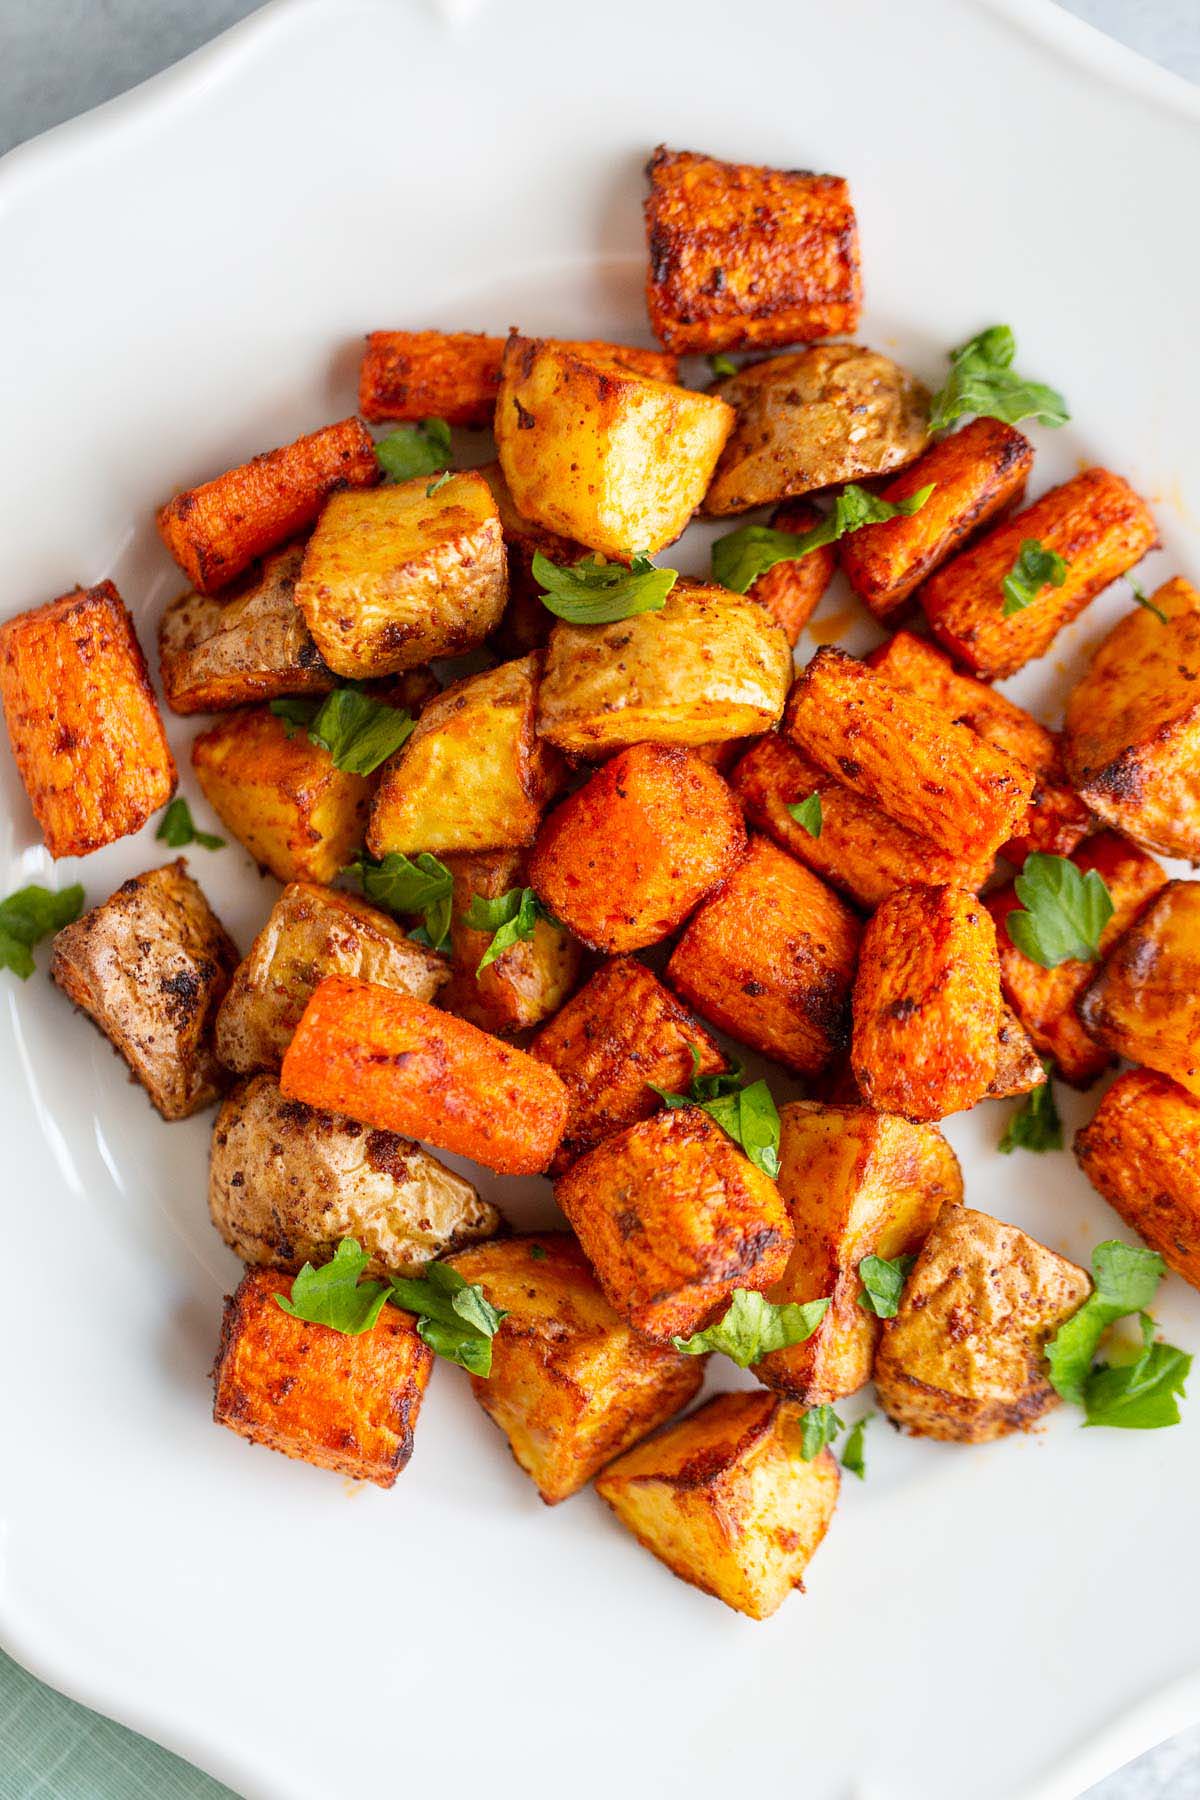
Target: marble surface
{"x":61,"y":57}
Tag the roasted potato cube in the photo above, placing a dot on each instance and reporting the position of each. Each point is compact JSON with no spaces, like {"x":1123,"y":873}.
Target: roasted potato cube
{"x":527,"y":623}
{"x":1132,"y":740}
{"x":620,"y":1033}
{"x":725,"y":1499}
{"x":792,"y":591}
{"x":474,"y":775}
{"x":975,"y":474}
{"x":673,"y":1218}
{"x":407,"y":573}
{"x":312,"y":932}
{"x":1018,"y":1066}
{"x":963,"y":1360}
{"x":927,"y":1007}
{"x":1044,"y":999}
{"x":711,"y":665}
{"x":832,"y":413}
{"x":1142,"y":1152}
{"x":571,"y":1385}
{"x":398,"y":1064}
{"x":596,"y":452}
{"x":624,"y":859}
{"x":287,"y":1182}
{"x":150,"y":966}
{"x":857,"y":1183}
{"x":859,"y":849}
{"x":528,"y":981}
{"x":932,"y":775}
{"x":217,"y":530}
{"x":349,"y":1404}
{"x":1145,"y":1002}
{"x":1095,"y":522}
{"x":283,"y":797}
{"x":742,"y":256}
{"x":82,"y":720}
{"x":769,"y":958}
{"x":214,"y":654}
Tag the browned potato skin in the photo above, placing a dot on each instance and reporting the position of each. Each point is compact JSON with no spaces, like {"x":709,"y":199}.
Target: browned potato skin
{"x":1132,"y":739}
{"x":1145,"y":1002}
{"x":975,"y":473}
{"x":1142,"y":1152}
{"x":150,"y":966}
{"x":742,"y":255}
{"x":1095,"y":522}
{"x":673,"y":1217}
{"x":792,"y":591}
{"x":859,"y":850}
{"x":288,"y":1182}
{"x":312,"y":932}
{"x":679,"y":830}
{"x":857,"y":1183}
{"x":621,"y":1031}
{"x":832,"y":413}
{"x":932,"y":775}
{"x":1044,"y":999}
{"x":711,"y":665}
{"x":1018,"y":1066}
{"x":571,"y":1385}
{"x":725,"y":1499}
{"x":927,"y":1008}
{"x":769,"y":958}
{"x":963,"y":1360}
{"x":528,"y":981}
{"x":527,"y":623}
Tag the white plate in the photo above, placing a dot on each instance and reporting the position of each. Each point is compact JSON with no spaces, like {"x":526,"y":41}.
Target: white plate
{"x":187,"y":274}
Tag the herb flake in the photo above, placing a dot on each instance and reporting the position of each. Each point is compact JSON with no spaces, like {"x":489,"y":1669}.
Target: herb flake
{"x":883,"y":1280}
{"x":807,"y":813}
{"x":1065,"y":911}
{"x":414,"y":450}
{"x":1035,"y":1125}
{"x":1035,"y":569}
{"x":30,"y":915}
{"x":401,"y":884}
{"x":595,"y":592}
{"x":981,"y":383}
{"x":753,"y":1327}
{"x":512,"y":918}
{"x":740,"y":557}
{"x":177,"y":829}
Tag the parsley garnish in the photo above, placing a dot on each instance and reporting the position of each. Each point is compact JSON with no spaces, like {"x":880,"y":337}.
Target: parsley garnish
{"x":176,"y":828}
{"x":1035,"y":569}
{"x":722,"y":364}
{"x":981,"y":383}
{"x":819,"y":1427}
{"x":1065,"y":911}
{"x":852,"y":1450}
{"x":748,"y":1114}
{"x":414,"y":450}
{"x":595,"y":592}
{"x":440,"y":482}
{"x":1126,"y":1280}
{"x":1143,"y":599}
{"x":753,"y":1327}
{"x":740,"y":557}
{"x":807,"y":813}
{"x":422,"y":885}
{"x":455,"y":1319}
{"x":1035,"y":1125}
{"x":358,"y":732}
{"x":28,"y":916}
{"x":883,"y":1280}
{"x":512,"y":918}
{"x":1138,"y":1395}
{"x":334,"y":1296}
{"x":537,"y":1252}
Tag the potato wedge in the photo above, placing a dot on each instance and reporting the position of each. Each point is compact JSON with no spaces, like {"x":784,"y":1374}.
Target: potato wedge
{"x":1145,"y":1002}
{"x":528,"y":981}
{"x":792,"y":591}
{"x":1142,"y":1152}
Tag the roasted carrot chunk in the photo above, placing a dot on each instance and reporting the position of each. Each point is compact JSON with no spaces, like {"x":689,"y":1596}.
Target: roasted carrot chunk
{"x":1145,"y":1002}
{"x":792,"y":591}
{"x":1142,"y":1152}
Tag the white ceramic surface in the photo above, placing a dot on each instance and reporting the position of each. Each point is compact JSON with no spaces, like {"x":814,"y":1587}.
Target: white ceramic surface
{"x":187,"y":273}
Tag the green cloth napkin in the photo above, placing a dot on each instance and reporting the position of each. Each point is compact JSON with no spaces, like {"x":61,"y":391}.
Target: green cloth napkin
{"x":51,"y":1749}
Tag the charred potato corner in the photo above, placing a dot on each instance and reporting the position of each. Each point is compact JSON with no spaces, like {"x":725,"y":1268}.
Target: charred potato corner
{"x":552,"y":818}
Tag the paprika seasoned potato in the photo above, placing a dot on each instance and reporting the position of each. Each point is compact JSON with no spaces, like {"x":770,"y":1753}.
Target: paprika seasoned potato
{"x":1018,"y":1066}
{"x":1132,"y":739}
{"x":975,"y":473}
{"x":150,"y":966}
{"x":726,"y":1500}
{"x":571,"y":1385}
{"x":349,"y":1404}
{"x":769,"y":958}
{"x":932,"y":775}
{"x":963,"y":1359}
{"x":530,"y":979}
{"x":83,"y":721}
{"x":217,"y":530}
{"x":620,"y":1033}
{"x":831,"y":413}
{"x":311,"y":932}
{"x":474,"y":775}
{"x":792,"y":591}
{"x":711,"y":665}
{"x":410,"y":572}
{"x":742,"y":255}
{"x":526,"y":624}
{"x":927,"y":1007}
{"x":1095,"y":522}
{"x":282,"y":796}
{"x":679,"y":830}
{"x":400,"y":1065}
{"x":596,"y":452}
{"x":673,"y":1218}
{"x":857,"y":1183}
{"x":1145,"y":1002}
{"x":1142,"y":1152}
{"x":287,"y":1182}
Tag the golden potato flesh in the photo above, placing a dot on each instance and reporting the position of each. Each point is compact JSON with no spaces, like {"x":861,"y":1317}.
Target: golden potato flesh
{"x":595,"y":452}
{"x":287,"y":1182}
{"x":395,"y":576}
{"x":857,"y":1183}
{"x":571,"y":1385}
{"x":1145,"y":1002}
{"x":725,"y":1499}
{"x":835,"y":412}
{"x":530,"y":979}
{"x":964,"y":1357}
{"x":711,"y":665}
{"x":1142,"y":1152}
